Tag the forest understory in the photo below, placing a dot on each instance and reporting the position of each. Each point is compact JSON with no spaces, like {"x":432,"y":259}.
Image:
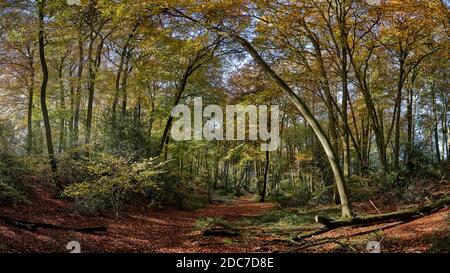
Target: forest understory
{"x":249,"y":225}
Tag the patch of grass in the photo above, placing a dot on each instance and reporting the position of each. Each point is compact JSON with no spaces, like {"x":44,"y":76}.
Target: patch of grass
{"x":228,"y":241}
{"x":12,"y":170}
{"x":289,"y":218}
{"x":216,"y":227}
{"x":194,"y":201}
{"x":222,"y":199}
{"x":441,"y":244}
{"x":206,"y":223}
{"x":3,"y":248}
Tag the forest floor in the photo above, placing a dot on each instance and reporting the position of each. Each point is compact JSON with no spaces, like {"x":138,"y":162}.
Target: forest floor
{"x":262,"y":227}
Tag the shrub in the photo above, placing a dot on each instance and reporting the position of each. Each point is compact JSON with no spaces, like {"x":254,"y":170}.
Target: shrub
{"x":12,"y":169}
{"x":10,"y":195}
{"x":302,"y":196}
{"x":114,"y":181}
{"x":71,"y":170}
{"x":206,"y":223}
{"x":125,"y":135}
{"x":362,"y":188}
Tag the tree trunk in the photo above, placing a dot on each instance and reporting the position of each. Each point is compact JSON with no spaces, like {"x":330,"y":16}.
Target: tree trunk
{"x":62,"y":137}
{"x":445,"y":131}
{"x":410,"y":129}
{"x":48,"y":132}
{"x":93,"y":67}
{"x":386,"y":217}
{"x":180,"y":91}
{"x":345,"y":95}
{"x":376,"y":121}
{"x":76,"y":118}
{"x":124,"y":85}
{"x":398,"y":107}
{"x":30,"y":112}
{"x":435,"y":126}
{"x":315,"y":125}
{"x":266,"y":170}
{"x":120,"y":70}
{"x":72,"y":108}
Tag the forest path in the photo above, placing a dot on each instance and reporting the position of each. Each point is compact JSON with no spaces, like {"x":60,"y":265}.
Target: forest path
{"x":141,"y":230}
{"x":148,"y":230}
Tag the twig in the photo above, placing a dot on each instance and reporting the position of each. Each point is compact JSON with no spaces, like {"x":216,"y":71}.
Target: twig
{"x":374,"y":206}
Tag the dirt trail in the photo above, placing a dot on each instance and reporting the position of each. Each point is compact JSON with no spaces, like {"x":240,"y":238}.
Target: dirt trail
{"x":142,"y":230}
{"x":149,"y":230}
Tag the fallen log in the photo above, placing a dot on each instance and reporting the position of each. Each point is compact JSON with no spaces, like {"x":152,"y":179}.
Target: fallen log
{"x":321,"y":241}
{"x":19,"y":224}
{"x":382,"y":218}
{"x":221,"y":232}
{"x":33,"y":226}
{"x":397,"y":216}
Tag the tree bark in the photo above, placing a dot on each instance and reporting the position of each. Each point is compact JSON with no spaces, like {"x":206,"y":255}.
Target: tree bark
{"x":344,"y":78}
{"x":180,"y":91}
{"x":266,"y":170}
{"x":120,"y":70}
{"x":48,"y":132}
{"x":62,"y":133}
{"x":410,"y":129}
{"x":93,"y":66}
{"x":30,"y":112}
{"x":398,"y":107}
{"x":124,"y":84}
{"x":76,"y":118}
{"x":435,"y":126}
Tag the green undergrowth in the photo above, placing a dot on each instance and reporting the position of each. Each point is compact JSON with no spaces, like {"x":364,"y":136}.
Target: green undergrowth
{"x":289,"y":218}
{"x":12,"y":188}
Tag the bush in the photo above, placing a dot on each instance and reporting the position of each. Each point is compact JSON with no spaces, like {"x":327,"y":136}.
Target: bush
{"x":207,"y":223}
{"x":127,"y":136}
{"x":12,"y":170}
{"x":114,"y":181}
{"x":362,"y":188}
{"x":10,"y":195}
{"x":72,"y":169}
{"x":301,"y":197}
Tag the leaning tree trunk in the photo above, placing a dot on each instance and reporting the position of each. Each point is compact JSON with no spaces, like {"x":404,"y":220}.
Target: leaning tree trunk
{"x":180,"y":90}
{"x":312,"y":121}
{"x":48,"y":132}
